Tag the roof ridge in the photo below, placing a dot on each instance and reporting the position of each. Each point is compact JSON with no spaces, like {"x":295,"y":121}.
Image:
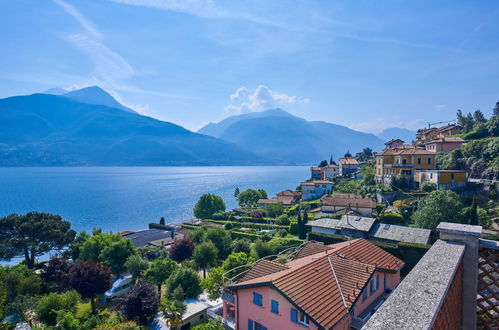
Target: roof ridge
{"x":337,"y":282}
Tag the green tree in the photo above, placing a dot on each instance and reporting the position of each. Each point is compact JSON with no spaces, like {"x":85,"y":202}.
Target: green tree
{"x":438,"y":206}
{"x":364,"y":155}
{"x":368,"y":172}
{"x":173,"y":308}
{"x":222,"y":240}
{"x":205,"y":255}
{"x":116,"y":254}
{"x":495,"y":111}
{"x":197,"y":235}
{"x":49,"y":306}
{"x":478,"y":117}
{"x":188,"y":280}
{"x":136,"y":265}
{"x":323,"y":163}
{"x":235,"y":260}
{"x":240,"y":245}
{"x":493,"y":126}
{"x":261,"y":249}
{"x":208,"y":205}
{"x":32,"y":235}
{"x":236,"y":192}
{"x":162,"y":221}
{"x":181,"y":249}
{"x":213,"y":283}
{"x":274,"y":210}
{"x":347,"y":154}
{"x":139,"y":304}
{"x":428,"y":187}
{"x":159,"y":271}
{"x":473,"y":214}
{"x":212,"y":324}
{"x":250,"y":197}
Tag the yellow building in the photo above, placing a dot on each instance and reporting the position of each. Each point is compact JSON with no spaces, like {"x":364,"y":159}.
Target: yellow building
{"x":402,"y":161}
{"x":443,"y":179}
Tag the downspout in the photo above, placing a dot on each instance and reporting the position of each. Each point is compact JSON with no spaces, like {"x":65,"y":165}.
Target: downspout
{"x":237,"y":310}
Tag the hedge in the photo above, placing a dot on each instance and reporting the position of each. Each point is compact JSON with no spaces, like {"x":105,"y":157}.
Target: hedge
{"x":154,"y":225}
{"x":247,"y":224}
{"x":241,"y":234}
{"x":327,"y":238}
{"x":392,"y":218}
{"x":189,"y":226}
{"x":293,"y":228}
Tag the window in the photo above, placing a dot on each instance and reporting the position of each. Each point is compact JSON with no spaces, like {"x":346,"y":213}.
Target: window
{"x":274,"y":307}
{"x":419,"y":160}
{"x":364,"y":295}
{"x":257,"y":299}
{"x":429,"y":160}
{"x":452,"y":176}
{"x":374,"y":284}
{"x":404,"y":161}
{"x":303,"y":319}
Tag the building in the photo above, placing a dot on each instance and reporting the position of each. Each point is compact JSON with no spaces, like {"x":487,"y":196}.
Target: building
{"x":402,"y":162}
{"x":393,"y":143}
{"x":347,"y":202}
{"x":363,"y":227}
{"x":289,"y":197}
{"x":425,"y":135}
{"x":330,"y":171}
{"x":326,"y":287}
{"x":157,"y":237}
{"x":315,"y":189}
{"x":348,"y":165}
{"x":444,"y":144}
{"x":443,"y":179}
{"x":448,"y":130}
{"x":394,"y":233}
{"x":315,"y":173}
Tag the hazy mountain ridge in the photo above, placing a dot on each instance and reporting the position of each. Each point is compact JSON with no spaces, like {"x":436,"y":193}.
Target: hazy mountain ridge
{"x":43,"y":129}
{"x":282,"y":137}
{"x":397,"y":133}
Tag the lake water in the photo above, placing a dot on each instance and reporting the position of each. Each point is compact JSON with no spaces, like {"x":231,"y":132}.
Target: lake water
{"x":128,"y":198}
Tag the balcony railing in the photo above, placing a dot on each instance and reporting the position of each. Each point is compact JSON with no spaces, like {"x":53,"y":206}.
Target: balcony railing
{"x":398,"y":165}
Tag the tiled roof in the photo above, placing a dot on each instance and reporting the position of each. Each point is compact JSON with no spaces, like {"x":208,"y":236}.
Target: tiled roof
{"x":348,"y":161}
{"x":346,"y":201}
{"x":393,"y":140}
{"x":314,"y":182}
{"x":324,"y":223}
{"x":331,"y":166}
{"x":447,"y":127}
{"x":356,"y":223}
{"x":400,"y":233}
{"x":450,"y":139}
{"x":311,"y":248}
{"x":315,"y":168}
{"x":324,"y":285}
{"x":405,"y":151}
{"x":286,"y":199}
{"x":261,"y":268}
{"x":289,"y":193}
{"x":268,"y":201}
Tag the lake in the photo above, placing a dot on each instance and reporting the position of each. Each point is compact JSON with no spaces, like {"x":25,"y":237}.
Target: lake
{"x":128,"y":198}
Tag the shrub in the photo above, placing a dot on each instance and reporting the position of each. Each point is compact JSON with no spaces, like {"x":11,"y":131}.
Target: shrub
{"x":228,"y":226}
{"x":154,"y":225}
{"x":283,"y":220}
{"x":428,"y":187}
{"x":293,"y":228}
{"x":256,"y":214}
{"x":392,"y":218}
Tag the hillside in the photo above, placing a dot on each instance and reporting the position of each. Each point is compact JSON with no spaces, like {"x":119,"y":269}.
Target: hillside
{"x":284,"y":138}
{"x":42,"y":129}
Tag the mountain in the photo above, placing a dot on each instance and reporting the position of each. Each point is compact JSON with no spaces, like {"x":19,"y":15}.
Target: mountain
{"x":96,"y":95}
{"x":46,"y":130}
{"x":287,"y":139}
{"x":397,"y":133}
{"x":55,"y":91}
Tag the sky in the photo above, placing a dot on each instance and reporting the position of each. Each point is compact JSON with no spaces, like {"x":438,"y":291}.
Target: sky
{"x":368,"y":65}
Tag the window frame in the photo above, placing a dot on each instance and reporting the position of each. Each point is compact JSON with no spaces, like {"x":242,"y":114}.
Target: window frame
{"x":274,"y":306}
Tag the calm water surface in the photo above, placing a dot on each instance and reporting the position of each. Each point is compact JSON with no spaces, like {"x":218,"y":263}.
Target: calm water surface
{"x":128,"y":198}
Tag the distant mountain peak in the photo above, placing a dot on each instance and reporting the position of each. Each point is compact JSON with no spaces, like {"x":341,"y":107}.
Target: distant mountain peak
{"x":95,"y":95}
{"x":55,"y":91}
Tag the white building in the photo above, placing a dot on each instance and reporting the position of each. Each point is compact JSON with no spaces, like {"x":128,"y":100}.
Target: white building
{"x":315,"y":189}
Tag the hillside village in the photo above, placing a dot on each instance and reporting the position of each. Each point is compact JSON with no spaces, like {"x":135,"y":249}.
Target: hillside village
{"x":330,"y":253}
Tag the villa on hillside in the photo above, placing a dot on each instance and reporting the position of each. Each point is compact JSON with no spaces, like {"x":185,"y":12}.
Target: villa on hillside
{"x":393,"y":143}
{"x":154,"y":237}
{"x":315,"y":189}
{"x":444,"y":144}
{"x":286,"y":198}
{"x":336,"y":286}
{"x":443,"y":179}
{"x":316,"y":173}
{"x":348,"y":165}
{"x":402,"y":162}
{"x":425,"y":135}
{"x":348,"y":202}
{"x":324,"y":173}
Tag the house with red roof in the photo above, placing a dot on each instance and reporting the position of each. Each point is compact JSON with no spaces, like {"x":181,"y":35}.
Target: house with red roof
{"x":348,"y":165}
{"x":336,"y":286}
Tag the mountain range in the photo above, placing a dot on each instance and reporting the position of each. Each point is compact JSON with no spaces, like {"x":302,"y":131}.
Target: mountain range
{"x":90,"y":127}
{"x":286,"y":139}
{"x":397,"y":133}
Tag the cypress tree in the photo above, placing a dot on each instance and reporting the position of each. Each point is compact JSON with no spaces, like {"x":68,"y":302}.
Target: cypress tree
{"x":473,"y":214}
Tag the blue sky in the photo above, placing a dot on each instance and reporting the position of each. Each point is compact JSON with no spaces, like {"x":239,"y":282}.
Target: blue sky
{"x":365,"y":64}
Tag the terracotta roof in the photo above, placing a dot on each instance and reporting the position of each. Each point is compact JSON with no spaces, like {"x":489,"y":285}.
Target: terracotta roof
{"x":310,"y":248}
{"x":347,"y":202}
{"x":315,"y":168}
{"x":286,"y":199}
{"x":268,"y":201}
{"x":331,"y":166}
{"x":307,"y":183}
{"x":326,"y":284}
{"x":289,"y":193}
{"x":405,"y":151}
{"x":321,"y":182}
{"x":393,"y":140}
{"x":450,"y":139}
{"x":348,"y":161}
{"x":261,"y":268}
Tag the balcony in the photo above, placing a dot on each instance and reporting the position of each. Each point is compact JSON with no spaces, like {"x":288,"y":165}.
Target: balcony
{"x":398,"y":165}
{"x":228,"y":297}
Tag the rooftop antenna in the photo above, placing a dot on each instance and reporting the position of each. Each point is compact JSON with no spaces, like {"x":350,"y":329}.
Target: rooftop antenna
{"x":440,"y":122}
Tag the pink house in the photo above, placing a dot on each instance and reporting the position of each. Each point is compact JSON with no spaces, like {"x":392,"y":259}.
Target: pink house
{"x":334,"y":286}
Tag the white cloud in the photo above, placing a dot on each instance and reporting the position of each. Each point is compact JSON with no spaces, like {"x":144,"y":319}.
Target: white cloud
{"x":262,"y":98}
{"x":378,"y":125}
{"x":440,"y":107}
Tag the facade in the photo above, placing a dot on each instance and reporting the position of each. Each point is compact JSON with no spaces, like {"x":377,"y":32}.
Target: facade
{"x":348,"y":165}
{"x":402,"y":162}
{"x":350,"y":202}
{"x":315,"y":189}
{"x":444,"y":144}
{"x":448,"y":130}
{"x":444,"y":179}
{"x":425,"y":135}
{"x":393,"y":143}
{"x":315,"y":173}
{"x":334,"y":286}
{"x":289,"y":197}
{"x":330,"y":171}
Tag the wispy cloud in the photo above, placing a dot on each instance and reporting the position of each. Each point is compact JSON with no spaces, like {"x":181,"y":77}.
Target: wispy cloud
{"x":84,"y":22}
{"x":262,"y":98}
{"x":378,"y":125}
